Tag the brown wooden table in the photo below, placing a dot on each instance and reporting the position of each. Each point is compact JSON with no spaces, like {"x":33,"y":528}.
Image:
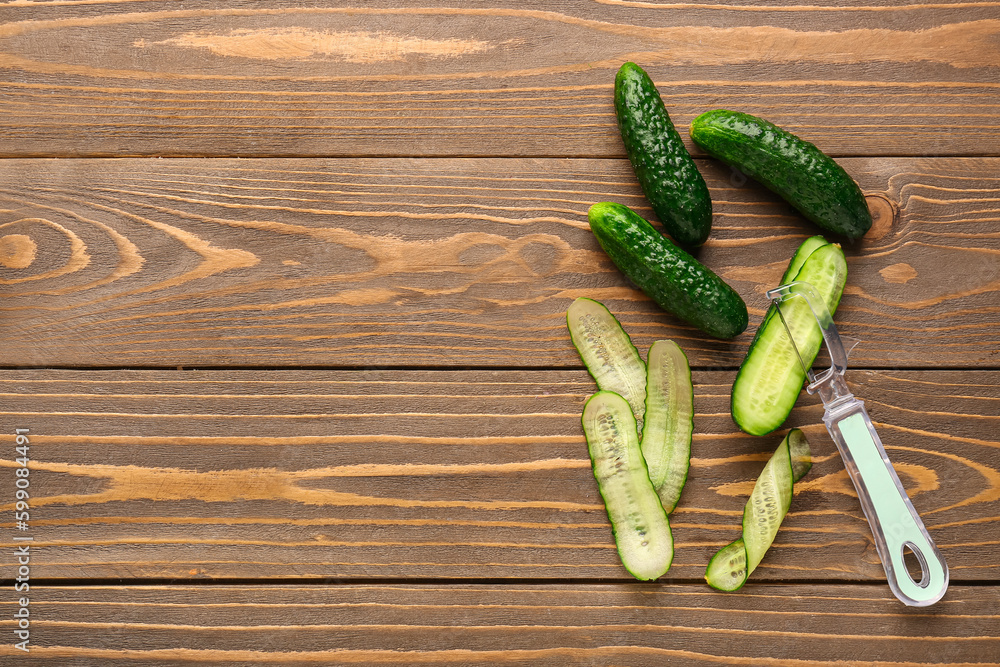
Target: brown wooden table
{"x":283,"y":297}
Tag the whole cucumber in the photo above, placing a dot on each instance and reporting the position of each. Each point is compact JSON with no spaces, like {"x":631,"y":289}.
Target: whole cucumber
{"x":665,"y":170}
{"x":795,"y":169}
{"x":675,"y":280}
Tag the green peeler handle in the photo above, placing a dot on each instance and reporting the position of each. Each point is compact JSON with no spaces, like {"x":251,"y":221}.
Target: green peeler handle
{"x":895,"y":524}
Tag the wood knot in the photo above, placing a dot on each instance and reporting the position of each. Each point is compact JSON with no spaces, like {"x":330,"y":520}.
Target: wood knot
{"x":884,"y":215}
{"x":17,"y":251}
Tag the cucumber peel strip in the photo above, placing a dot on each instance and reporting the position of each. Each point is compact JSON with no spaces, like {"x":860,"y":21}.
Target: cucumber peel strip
{"x":766,"y":508}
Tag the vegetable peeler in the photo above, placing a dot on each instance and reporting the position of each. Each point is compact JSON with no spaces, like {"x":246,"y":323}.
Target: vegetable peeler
{"x":896,"y":526}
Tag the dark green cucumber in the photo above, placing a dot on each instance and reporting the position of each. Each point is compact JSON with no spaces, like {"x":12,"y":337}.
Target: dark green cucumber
{"x":770,"y":378}
{"x":608,"y":353}
{"x":762,"y":516}
{"x":638,"y":520}
{"x":666,"y":435}
{"x":667,"y":174}
{"x":801,"y":173}
{"x":674,"y":279}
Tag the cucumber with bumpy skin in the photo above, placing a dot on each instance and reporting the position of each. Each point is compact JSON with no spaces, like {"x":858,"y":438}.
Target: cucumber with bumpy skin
{"x":795,"y":169}
{"x":770,"y":378}
{"x":608,"y":352}
{"x":666,"y":172}
{"x":769,"y":502}
{"x":675,"y":280}
{"x":638,"y":520}
{"x":669,"y":420}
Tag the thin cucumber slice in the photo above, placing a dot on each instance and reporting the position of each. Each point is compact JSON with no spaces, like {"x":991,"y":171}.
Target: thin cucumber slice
{"x":768,"y":504}
{"x":640,"y":525}
{"x":669,"y":420}
{"x":805,"y":249}
{"x":771,"y":377}
{"x":608,"y":353}
{"x":732,"y":565}
{"x":727,"y":571}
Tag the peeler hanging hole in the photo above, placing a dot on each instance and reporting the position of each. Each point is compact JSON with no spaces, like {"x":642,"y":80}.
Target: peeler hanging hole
{"x":916,"y":565}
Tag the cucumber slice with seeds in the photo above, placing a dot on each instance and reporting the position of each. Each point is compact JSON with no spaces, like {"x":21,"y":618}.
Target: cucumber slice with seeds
{"x":666,"y":436}
{"x":807,"y":248}
{"x":727,"y":571}
{"x":732,"y":565}
{"x":771,"y":377}
{"x":638,"y":521}
{"x":608,"y":353}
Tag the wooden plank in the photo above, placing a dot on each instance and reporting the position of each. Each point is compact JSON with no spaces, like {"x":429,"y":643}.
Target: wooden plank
{"x":447,"y":262}
{"x":513,"y":624}
{"x":463,"y":474}
{"x":470,"y":78}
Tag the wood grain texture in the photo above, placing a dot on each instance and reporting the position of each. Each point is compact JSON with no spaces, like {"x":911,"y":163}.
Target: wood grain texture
{"x":632,"y":624}
{"x":112,"y":78}
{"x":455,"y":475}
{"x":412,"y":229}
{"x":448,"y":262}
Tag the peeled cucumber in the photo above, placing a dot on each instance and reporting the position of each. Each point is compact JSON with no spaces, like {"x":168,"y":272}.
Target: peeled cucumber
{"x":770,"y":378}
{"x":732,"y":565}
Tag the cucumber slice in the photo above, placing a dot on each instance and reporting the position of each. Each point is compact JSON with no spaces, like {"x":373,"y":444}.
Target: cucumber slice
{"x":727,"y":571}
{"x":807,"y":248}
{"x":770,"y":378}
{"x":666,"y":436}
{"x":732,"y":565}
{"x":638,"y":521}
{"x":608,"y":353}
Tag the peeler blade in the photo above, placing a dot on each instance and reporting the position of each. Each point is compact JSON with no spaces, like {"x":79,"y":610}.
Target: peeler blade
{"x":795,"y":348}
{"x":829,"y":384}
